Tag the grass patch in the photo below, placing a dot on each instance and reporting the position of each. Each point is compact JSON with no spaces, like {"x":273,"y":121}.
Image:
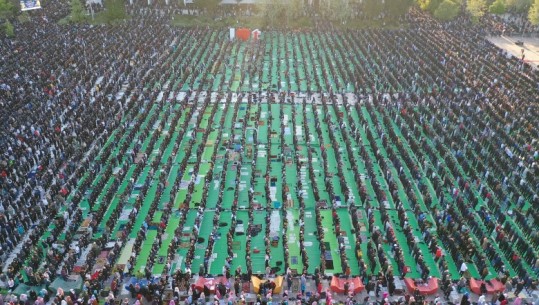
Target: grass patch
{"x":261,"y":22}
{"x":114,"y":13}
{"x":357,"y":24}
{"x":252,"y":22}
{"x":191,"y":21}
{"x":23,"y":17}
{"x":295,"y":23}
{"x":194,"y":21}
{"x":99,"y":19}
{"x":104,"y":18}
{"x":64,"y":21}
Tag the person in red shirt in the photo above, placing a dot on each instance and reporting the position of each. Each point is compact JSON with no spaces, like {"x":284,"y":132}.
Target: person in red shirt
{"x":503,"y":300}
{"x":64,"y":191}
{"x":113,"y":286}
{"x":438,"y":254}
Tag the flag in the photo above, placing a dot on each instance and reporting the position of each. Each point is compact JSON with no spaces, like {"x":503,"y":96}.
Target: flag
{"x":27,"y":5}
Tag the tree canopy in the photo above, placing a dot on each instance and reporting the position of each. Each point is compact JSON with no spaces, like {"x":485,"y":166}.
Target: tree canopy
{"x":8,"y":28}
{"x":533,"y":14}
{"x":6,"y":8}
{"x":476,"y":8}
{"x":447,"y":10}
{"x":429,"y":5}
{"x":78,"y":13}
{"x":497,"y":7}
{"x":272,"y":12}
{"x":397,"y":8}
{"x":518,"y":6}
{"x":115,"y":10}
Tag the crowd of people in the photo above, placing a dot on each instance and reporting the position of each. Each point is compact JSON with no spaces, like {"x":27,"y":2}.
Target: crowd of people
{"x":454,"y":125}
{"x":60,"y":105}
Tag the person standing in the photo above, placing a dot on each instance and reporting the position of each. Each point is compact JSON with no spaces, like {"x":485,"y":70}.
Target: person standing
{"x":463,"y":268}
{"x":268,"y":272}
{"x":237,"y":287}
{"x":482,"y":300}
{"x":520,"y":286}
{"x":465,"y":300}
{"x":289,"y":279}
{"x":303,"y":284}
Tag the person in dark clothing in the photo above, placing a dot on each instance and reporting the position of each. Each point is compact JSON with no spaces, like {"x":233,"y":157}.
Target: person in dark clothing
{"x":465,"y":300}
{"x":519,"y":287}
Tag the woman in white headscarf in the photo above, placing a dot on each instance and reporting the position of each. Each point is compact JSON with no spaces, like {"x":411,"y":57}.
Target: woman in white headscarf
{"x":111,"y":298}
{"x":482,"y":300}
{"x":177,"y":293}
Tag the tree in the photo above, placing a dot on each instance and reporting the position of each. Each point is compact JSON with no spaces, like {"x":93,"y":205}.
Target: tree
{"x":519,"y":6}
{"x":447,"y":10}
{"x":6,"y":9}
{"x":115,"y":10}
{"x":423,"y":4}
{"x":476,"y":8}
{"x":272,"y":11}
{"x":533,"y":14}
{"x":293,"y":9}
{"x":397,"y":8}
{"x":341,"y":10}
{"x":77,"y":11}
{"x":9,"y":30}
{"x":429,"y":5}
{"x":497,"y":7}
